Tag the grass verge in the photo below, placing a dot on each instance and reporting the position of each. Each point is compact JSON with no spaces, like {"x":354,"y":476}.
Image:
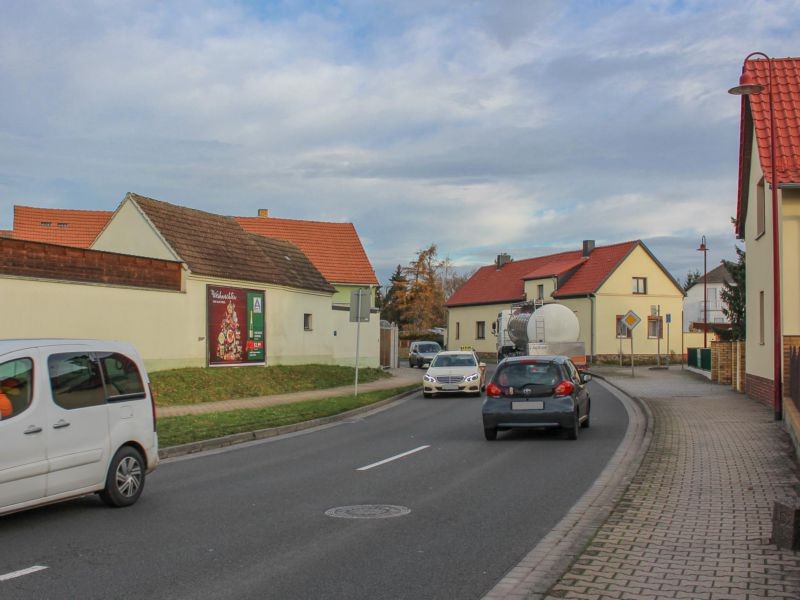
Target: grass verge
{"x":173,"y":431}
{"x":198,"y":385}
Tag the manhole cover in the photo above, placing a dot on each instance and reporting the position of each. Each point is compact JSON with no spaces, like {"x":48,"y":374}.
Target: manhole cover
{"x":368,"y":511}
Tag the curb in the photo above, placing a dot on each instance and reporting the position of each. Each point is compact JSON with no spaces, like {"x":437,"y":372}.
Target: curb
{"x":543,"y":566}
{"x":260,"y":434}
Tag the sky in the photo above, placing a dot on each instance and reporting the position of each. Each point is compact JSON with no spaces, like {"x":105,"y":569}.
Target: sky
{"x":485,"y":126}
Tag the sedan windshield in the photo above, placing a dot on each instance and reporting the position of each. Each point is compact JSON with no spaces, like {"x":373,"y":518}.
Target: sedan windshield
{"x":429,"y":348}
{"x":454,"y":360}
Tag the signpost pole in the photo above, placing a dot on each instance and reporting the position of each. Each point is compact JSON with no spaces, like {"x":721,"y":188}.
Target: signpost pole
{"x":358,"y":336}
{"x":658,"y":340}
{"x":633,"y":373}
{"x":669,"y":320}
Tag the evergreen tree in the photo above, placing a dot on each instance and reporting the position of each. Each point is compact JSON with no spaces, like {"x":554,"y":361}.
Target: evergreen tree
{"x":734,"y":296}
{"x":390,"y":304}
{"x":692,"y":277}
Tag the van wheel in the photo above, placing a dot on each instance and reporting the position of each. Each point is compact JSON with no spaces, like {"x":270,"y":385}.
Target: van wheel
{"x":125,"y":479}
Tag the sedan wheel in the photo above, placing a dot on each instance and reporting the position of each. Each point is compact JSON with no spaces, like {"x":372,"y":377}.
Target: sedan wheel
{"x":125,"y":479}
{"x":490,"y":433}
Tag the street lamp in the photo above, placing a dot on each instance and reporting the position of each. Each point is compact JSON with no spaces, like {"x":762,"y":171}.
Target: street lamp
{"x":747,"y":86}
{"x":704,"y":249}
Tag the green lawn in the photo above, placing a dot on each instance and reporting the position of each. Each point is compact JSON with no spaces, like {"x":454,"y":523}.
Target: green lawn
{"x":197,"y":385}
{"x":191,"y":428}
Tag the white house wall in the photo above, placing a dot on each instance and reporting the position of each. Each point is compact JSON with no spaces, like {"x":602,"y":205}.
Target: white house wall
{"x":129,"y":232}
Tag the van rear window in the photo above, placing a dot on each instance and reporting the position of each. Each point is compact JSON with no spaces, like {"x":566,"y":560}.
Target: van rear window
{"x":123,"y":381}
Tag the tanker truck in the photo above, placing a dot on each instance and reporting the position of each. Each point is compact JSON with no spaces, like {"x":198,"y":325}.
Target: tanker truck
{"x":549,"y":329}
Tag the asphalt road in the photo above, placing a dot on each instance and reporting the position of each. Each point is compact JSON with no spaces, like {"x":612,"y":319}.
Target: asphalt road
{"x":250,"y":522}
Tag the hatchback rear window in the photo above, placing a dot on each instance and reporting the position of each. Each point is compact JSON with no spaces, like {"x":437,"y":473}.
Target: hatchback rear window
{"x":531,"y":373}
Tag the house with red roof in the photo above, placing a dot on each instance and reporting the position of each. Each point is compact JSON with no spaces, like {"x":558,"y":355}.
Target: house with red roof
{"x":600,"y":284}
{"x":756,"y":221}
{"x":334,"y":248}
{"x":187,"y":287}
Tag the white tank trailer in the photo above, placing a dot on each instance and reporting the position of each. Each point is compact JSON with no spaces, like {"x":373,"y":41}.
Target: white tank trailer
{"x":550,"y":329}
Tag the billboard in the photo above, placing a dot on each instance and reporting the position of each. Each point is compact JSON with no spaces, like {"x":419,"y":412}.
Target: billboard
{"x":235,"y":326}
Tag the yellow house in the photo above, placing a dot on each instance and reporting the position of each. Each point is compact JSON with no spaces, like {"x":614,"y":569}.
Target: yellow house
{"x":600,"y":284}
{"x":770,"y":334}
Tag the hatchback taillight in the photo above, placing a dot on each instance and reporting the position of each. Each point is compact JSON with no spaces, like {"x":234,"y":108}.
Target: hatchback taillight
{"x":152,"y":403}
{"x":494,"y":390}
{"x":565,"y":388}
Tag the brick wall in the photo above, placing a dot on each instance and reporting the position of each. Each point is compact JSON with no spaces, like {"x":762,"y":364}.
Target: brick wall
{"x":789,"y":342}
{"x":48,"y":261}
{"x":722,"y":365}
{"x":759,"y":388}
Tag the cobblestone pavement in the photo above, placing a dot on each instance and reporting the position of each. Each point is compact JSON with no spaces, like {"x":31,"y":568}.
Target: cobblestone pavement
{"x":696,"y":520}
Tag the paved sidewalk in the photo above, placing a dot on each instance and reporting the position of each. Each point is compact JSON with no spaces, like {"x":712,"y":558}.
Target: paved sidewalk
{"x":400,"y":377}
{"x":696,"y":520}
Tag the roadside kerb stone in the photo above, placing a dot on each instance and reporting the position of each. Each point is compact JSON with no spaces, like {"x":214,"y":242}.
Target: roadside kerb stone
{"x":543,"y":566}
{"x":260,"y":434}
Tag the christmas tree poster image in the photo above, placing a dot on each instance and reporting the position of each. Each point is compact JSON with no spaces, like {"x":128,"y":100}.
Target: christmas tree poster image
{"x":235,"y":330}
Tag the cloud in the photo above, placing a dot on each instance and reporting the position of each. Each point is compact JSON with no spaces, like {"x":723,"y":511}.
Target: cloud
{"x":483,"y":127}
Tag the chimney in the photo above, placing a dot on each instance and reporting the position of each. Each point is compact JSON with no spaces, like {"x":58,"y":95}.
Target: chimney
{"x":263,"y":213}
{"x":503,"y":259}
{"x":588,"y":246}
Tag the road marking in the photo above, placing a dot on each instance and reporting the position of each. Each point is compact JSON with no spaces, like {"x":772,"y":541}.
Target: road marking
{"x":391,"y":458}
{"x":27,"y":571}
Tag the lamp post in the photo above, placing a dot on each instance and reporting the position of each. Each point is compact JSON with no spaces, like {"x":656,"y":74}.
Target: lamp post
{"x":704,"y":249}
{"x":747,"y":86}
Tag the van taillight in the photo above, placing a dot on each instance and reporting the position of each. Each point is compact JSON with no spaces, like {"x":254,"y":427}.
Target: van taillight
{"x":152,"y":403}
{"x":494,"y":390}
{"x":565,"y":388}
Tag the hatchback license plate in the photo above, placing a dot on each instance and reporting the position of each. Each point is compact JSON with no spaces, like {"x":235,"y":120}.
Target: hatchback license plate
{"x":528,"y":405}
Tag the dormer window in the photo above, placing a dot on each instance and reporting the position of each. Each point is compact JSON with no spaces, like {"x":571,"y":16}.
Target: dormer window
{"x":46,"y":224}
{"x":63,"y":225}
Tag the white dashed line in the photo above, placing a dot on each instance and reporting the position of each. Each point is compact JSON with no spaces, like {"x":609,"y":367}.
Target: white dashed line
{"x":390,"y":459}
{"x":16,"y":574}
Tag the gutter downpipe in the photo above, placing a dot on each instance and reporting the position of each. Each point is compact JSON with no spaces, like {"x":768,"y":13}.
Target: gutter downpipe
{"x":592,"y":319}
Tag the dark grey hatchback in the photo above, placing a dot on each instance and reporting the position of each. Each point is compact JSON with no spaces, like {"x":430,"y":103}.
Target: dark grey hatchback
{"x":536,"y":391}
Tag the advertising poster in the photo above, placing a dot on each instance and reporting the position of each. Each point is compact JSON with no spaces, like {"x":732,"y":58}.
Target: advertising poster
{"x":236,"y":333}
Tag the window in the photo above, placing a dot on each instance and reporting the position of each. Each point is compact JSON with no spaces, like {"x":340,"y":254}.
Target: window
{"x":75,"y":380}
{"x":122,"y":378}
{"x":540,"y":291}
{"x":761,"y":318}
{"x":480,"y":330}
{"x":640,"y":285}
{"x":761,"y":211}
{"x":655,"y":328}
{"x":711,"y":298}
{"x":62,"y":225}
{"x":16,"y":387}
{"x":458,"y":330}
{"x":45,"y":223}
{"x":622,"y":330}
{"x":307,"y":322}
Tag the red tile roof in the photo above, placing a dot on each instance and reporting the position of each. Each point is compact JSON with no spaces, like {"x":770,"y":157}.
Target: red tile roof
{"x":334,"y":248}
{"x":64,"y":227}
{"x":490,"y":285}
{"x":755,"y":117}
{"x":214,"y":245}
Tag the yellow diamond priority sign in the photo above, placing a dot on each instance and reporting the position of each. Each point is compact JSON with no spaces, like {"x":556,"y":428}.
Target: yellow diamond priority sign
{"x":631,"y":319}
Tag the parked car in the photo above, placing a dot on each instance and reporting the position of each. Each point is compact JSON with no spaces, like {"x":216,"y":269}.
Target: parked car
{"x":76,"y":417}
{"x":529,"y":392}
{"x":454,"y":371}
{"x":422,"y":353}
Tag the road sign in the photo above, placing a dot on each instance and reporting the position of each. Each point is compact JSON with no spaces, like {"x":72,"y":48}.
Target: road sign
{"x":359,"y":306}
{"x":631,"y":319}
{"x":669,"y":318}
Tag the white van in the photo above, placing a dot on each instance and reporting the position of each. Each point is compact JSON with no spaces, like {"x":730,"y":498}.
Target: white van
{"x":76,"y":416}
